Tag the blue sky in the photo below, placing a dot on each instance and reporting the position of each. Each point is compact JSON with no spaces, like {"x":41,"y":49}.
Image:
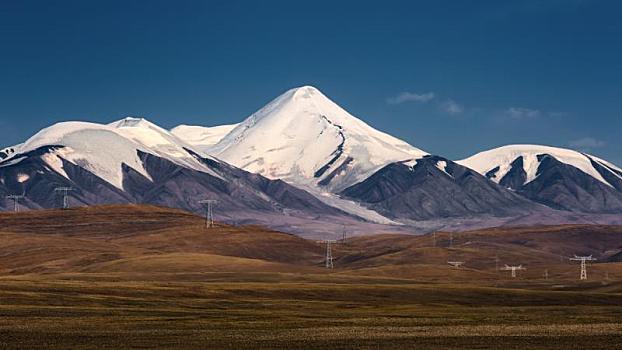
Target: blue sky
{"x":451,"y":77}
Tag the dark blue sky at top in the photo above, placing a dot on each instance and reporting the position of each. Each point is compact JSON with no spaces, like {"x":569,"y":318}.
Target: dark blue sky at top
{"x":472,"y":75}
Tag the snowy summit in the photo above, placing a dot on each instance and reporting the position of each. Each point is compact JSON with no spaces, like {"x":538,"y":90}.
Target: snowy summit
{"x":305,"y":138}
{"x":497,"y":163}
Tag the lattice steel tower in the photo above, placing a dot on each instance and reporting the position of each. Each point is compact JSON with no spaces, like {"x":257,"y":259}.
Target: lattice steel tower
{"x":15,"y":198}
{"x":583,"y":260}
{"x":513,"y":269}
{"x":328,"y":263}
{"x":64,"y":192}
{"x":456,"y":264}
{"x":209,"y":211}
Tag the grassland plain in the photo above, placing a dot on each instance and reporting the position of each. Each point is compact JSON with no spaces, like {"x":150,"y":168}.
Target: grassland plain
{"x":146,"y":277}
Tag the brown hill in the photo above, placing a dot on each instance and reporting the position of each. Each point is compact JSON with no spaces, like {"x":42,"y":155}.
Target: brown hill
{"x":148,"y":277}
{"x":144,"y":240}
{"x":117,"y":237}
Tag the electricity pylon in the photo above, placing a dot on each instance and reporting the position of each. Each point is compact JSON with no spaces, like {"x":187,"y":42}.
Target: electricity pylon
{"x":328,"y":263}
{"x":64,"y":192}
{"x":456,"y":264}
{"x":209,"y":211}
{"x":15,"y":198}
{"x":513,"y":269}
{"x":583,"y":260}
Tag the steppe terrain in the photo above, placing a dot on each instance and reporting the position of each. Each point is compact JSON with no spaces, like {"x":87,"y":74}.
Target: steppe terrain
{"x":149,"y":277}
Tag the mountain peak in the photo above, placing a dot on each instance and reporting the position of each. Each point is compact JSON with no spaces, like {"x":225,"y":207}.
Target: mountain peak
{"x":132,"y":122}
{"x":305,"y":101}
{"x":304,"y":137}
{"x":306,"y":91}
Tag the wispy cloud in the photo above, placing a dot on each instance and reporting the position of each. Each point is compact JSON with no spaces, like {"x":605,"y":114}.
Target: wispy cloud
{"x":451,"y":107}
{"x":586,"y":144}
{"x":522,"y":113}
{"x":410,"y":97}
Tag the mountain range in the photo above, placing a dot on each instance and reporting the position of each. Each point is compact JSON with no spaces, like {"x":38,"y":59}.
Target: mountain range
{"x":305,"y":165}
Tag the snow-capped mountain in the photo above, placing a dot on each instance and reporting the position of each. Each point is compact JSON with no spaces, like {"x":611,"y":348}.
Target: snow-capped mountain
{"x":202,"y":137}
{"x":103,"y":149}
{"x":306,"y":139}
{"x":560,"y":178}
{"x":309,"y":141}
{"x":135,"y":161}
{"x":301,"y":162}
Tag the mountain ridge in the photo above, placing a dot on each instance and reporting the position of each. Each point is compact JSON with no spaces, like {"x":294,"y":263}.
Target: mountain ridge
{"x":301,"y":160}
{"x":559,"y":178}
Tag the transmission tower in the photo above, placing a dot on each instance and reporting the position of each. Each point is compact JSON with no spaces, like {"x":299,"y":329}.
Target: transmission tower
{"x":209,"y":211}
{"x":328,"y":263}
{"x":456,"y":264}
{"x":451,"y":240}
{"x":64,"y":192}
{"x":513,"y":269}
{"x":434,"y":239}
{"x":15,"y":198}
{"x":546,"y":274}
{"x":344,"y":234}
{"x":583,"y":260}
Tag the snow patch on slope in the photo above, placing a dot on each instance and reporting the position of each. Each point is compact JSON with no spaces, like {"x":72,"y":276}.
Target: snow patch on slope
{"x":8,"y":152}
{"x":442,"y":166}
{"x":411,"y":163}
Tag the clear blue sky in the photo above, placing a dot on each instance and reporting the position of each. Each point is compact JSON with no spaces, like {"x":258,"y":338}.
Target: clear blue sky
{"x":451,"y":77}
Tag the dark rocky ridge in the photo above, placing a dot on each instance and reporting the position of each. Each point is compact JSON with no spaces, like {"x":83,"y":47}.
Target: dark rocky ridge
{"x":564,"y":187}
{"x":424,"y":191}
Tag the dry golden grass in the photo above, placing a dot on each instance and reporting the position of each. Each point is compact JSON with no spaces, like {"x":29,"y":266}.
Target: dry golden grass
{"x":270,"y":312}
{"x":146,"y":277}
